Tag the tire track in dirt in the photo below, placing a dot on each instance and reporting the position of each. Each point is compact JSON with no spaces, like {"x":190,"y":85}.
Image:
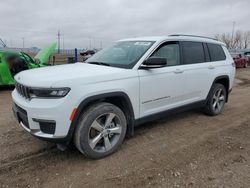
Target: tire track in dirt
{"x":16,"y":160}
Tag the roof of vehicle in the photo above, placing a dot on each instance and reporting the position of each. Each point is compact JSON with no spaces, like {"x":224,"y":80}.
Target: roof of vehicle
{"x":176,"y":37}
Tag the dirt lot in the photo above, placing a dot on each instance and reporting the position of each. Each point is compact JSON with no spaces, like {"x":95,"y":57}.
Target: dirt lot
{"x":185,"y":150}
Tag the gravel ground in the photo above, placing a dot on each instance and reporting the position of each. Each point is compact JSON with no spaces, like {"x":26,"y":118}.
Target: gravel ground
{"x":185,"y":150}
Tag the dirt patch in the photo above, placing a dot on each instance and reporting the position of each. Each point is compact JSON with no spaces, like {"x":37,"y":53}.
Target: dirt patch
{"x":244,"y":82}
{"x":184,"y":150}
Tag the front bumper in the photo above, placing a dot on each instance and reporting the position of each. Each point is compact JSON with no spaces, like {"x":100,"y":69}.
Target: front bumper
{"x":47,"y":119}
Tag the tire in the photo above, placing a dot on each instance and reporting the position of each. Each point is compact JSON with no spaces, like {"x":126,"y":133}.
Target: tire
{"x":216,"y":100}
{"x":100,"y":130}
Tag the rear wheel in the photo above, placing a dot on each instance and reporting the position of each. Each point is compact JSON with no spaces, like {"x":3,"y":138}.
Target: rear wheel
{"x":216,"y":100}
{"x":100,"y":131}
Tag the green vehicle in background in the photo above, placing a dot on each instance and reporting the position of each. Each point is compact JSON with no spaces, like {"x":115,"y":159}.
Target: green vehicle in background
{"x":12,"y":62}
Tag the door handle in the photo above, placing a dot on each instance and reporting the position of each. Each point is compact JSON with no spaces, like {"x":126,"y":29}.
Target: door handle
{"x":211,"y":67}
{"x":178,"y":71}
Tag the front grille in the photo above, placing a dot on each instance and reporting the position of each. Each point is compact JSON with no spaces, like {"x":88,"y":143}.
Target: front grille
{"x":23,"y":90}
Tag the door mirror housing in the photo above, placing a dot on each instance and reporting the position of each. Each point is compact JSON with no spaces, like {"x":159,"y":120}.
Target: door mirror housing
{"x":154,"y":62}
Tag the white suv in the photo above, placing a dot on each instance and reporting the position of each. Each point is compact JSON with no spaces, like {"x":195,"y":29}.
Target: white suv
{"x":95,"y":104}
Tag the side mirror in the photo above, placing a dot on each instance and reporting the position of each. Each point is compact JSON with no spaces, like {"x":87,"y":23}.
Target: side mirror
{"x":154,"y":62}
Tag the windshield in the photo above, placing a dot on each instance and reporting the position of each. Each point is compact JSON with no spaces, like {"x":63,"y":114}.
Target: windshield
{"x":123,"y":54}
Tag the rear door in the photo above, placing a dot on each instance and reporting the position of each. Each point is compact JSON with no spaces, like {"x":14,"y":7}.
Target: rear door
{"x":162,"y":88}
{"x":198,"y":71}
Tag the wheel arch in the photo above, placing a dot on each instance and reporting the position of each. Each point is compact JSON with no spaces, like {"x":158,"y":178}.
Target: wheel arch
{"x":224,"y":80}
{"x":119,"y":99}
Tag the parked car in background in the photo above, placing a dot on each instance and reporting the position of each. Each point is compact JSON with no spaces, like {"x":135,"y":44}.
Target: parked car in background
{"x":247,"y":56}
{"x":87,"y":54}
{"x":239,"y":60}
{"x":12,"y":62}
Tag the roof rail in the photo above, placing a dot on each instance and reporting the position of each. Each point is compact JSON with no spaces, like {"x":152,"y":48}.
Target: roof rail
{"x":177,"y":35}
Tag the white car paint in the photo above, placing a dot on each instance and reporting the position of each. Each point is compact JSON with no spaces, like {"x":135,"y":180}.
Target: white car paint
{"x":150,"y":91}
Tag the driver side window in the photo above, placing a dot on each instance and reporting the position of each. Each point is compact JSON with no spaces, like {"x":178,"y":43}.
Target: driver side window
{"x":169,"y":51}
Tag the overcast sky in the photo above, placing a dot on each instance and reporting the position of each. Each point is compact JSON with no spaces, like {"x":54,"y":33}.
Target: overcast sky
{"x":82,"y":21}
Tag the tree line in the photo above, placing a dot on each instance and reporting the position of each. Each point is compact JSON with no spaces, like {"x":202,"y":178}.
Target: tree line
{"x":239,"y":40}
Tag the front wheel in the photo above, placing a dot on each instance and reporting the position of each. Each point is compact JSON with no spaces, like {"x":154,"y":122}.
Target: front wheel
{"x":216,"y":100}
{"x":100,"y":131}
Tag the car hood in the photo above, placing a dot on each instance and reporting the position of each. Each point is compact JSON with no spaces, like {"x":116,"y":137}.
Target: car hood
{"x":43,"y":55}
{"x":68,"y":75}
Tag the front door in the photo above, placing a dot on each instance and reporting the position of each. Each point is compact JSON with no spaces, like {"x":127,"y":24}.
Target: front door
{"x":162,"y":88}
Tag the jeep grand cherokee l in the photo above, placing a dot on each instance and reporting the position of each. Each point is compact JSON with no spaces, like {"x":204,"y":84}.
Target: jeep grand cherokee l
{"x":95,"y":104}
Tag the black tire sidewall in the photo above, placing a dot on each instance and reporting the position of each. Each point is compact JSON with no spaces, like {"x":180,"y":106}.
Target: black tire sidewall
{"x":82,"y":132}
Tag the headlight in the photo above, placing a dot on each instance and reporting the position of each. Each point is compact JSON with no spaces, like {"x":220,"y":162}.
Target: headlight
{"x":48,"y":93}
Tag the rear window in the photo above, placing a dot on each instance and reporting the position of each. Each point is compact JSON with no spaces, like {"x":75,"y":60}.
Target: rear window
{"x":193,"y":52}
{"x":216,"y":52}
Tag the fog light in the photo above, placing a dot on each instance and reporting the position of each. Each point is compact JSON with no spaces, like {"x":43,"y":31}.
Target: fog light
{"x":46,"y":126}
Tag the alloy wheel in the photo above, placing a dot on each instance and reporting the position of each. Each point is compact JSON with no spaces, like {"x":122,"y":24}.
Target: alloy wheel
{"x":218,"y":100}
{"x":105,"y":132}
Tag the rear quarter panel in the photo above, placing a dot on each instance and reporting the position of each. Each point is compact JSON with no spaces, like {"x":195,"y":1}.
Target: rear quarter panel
{"x":225,"y":68}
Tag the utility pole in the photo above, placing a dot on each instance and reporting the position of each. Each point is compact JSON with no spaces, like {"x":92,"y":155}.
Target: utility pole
{"x":232,"y":39}
{"x":90,"y":42}
{"x":23,"y":42}
{"x":58,"y":43}
{"x":101,"y":45}
{"x":63,"y":40}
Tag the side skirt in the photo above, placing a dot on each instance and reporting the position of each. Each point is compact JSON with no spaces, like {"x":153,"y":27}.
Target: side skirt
{"x":169,"y":112}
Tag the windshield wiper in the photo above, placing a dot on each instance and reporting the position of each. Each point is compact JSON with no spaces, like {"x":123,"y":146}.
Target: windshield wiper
{"x":98,"y":63}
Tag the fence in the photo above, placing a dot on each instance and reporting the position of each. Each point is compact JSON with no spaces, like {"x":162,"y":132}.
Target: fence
{"x":36,"y":50}
{"x":64,"y":57}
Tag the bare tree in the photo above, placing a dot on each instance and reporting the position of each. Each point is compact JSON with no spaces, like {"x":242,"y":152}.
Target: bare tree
{"x":246,"y":39}
{"x":226,"y":38}
{"x":240,"y":40}
{"x":237,"y":40}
